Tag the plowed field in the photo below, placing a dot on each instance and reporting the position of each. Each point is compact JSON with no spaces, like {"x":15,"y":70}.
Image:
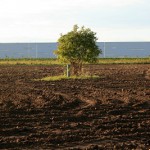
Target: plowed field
{"x":110,"y":112}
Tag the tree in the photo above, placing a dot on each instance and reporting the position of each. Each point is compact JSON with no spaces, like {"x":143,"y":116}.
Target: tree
{"x":76,"y":47}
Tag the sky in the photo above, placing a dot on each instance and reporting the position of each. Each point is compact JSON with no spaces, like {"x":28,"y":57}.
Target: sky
{"x":45,"y":20}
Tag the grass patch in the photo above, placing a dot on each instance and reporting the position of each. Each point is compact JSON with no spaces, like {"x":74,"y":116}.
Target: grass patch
{"x":62,"y":77}
{"x":29,"y":61}
{"x":124,"y":60}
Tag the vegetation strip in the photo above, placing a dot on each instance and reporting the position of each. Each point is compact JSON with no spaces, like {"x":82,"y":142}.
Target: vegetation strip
{"x":54,"y":61}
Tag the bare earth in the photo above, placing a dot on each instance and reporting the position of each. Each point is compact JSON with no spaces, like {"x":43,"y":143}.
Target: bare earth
{"x":110,"y":112}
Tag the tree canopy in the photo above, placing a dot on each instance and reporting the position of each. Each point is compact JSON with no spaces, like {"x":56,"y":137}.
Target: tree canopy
{"x":78,"y":46}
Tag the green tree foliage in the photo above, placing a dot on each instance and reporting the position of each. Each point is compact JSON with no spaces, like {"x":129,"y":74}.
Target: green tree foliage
{"x":76,"y":47}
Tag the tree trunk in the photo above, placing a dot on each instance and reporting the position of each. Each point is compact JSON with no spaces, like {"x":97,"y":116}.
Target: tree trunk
{"x":76,"y":69}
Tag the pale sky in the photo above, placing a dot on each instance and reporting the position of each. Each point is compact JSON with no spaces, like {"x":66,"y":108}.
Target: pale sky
{"x":45,"y":20}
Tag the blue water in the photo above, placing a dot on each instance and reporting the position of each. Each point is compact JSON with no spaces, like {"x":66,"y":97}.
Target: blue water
{"x":45,"y":50}
{"x":125,"y":49}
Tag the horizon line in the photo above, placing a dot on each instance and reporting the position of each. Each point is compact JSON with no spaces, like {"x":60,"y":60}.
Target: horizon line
{"x":57,"y":42}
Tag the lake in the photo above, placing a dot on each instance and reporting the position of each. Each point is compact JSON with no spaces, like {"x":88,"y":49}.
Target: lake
{"x":45,"y":50}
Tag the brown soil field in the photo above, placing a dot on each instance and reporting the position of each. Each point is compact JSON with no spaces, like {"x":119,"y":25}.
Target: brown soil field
{"x":110,"y":112}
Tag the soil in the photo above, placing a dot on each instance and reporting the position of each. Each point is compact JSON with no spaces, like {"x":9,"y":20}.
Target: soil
{"x":109,"y":112}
